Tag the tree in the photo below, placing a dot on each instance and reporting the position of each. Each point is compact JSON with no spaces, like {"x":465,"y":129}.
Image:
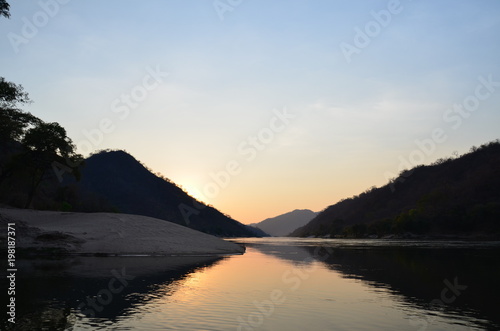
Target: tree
{"x":4,"y":9}
{"x":12,"y":94}
{"x":29,"y":147}
{"x":46,"y":143}
{"x":13,"y":124}
{"x":13,"y":121}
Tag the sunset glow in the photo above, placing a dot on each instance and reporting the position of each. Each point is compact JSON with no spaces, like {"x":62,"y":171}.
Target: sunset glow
{"x":267,"y":107}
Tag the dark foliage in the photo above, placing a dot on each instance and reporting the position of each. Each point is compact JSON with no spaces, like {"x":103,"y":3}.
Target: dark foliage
{"x":39,"y":169}
{"x":451,"y":197}
{"x":4,"y":9}
{"x":115,"y":178}
{"x":29,"y":151}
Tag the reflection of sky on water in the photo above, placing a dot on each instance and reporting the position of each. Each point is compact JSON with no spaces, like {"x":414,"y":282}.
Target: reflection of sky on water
{"x":377,"y":287}
{"x":414,"y":271}
{"x":50,"y":291}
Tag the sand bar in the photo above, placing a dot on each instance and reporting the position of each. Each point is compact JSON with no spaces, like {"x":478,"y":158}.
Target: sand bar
{"x":108,"y":233}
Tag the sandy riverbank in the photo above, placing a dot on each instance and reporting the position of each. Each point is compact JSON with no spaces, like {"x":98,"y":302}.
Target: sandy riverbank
{"x":108,"y":234}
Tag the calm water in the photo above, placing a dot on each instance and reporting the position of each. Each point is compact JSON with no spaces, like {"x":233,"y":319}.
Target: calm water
{"x":278,"y":284}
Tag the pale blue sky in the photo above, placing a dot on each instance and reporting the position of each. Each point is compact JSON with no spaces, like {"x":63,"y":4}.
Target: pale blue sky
{"x":354,"y":120}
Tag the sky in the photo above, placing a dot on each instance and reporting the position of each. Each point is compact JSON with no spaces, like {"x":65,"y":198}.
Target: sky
{"x":258,"y":107}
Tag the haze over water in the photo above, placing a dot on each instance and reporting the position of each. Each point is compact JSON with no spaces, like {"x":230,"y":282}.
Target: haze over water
{"x":278,"y":284}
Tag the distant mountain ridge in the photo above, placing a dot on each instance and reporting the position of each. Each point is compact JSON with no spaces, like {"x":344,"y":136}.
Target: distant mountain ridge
{"x":116,"y":180}
{"x":454,"y":196}
{"x":283,"y":225}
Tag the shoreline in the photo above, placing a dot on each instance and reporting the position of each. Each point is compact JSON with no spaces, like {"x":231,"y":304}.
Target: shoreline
{"x":426,"y":237}
{"x":105,"y":234}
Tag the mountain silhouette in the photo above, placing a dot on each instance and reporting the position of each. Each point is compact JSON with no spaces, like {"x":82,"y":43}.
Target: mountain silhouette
{"x":116,"y":180}
{"x":454,"y":196}
{"x":283,"y":225}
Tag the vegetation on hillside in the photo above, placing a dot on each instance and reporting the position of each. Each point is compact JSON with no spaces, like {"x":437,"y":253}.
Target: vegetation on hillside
{"x":453,"y":196}
{"x":32,"y":153}
{"x":40,"y":169}
{"x":115,"y":179}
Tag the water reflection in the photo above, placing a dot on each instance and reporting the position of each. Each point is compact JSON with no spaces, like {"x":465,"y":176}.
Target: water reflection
{"x":458,"y":278}
{"x":278,"y":284}
{"x":55,"y":294}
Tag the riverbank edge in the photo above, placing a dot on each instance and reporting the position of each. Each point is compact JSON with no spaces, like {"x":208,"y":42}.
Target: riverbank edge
{"x":49,"y":233}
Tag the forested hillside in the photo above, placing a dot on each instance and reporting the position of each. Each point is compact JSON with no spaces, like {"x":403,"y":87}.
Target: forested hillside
{"x":40,"y":169}
{"x":116,"y":179}
{"x":454,"y":196}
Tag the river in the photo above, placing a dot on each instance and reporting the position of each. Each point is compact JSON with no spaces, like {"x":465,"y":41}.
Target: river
{"x":278,"y":284}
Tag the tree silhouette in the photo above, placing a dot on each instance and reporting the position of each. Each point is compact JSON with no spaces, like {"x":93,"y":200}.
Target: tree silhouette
{"x":13,"y":124}
{"x":4,"y":9}
{"x":46,"y":143}
{"x":12,"y":94}
{"x":29,"y":146}
{"x":453,"y":196}
{"x":13,"y":121}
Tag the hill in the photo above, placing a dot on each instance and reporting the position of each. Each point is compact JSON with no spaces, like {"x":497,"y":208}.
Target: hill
{"x":283,"y":225}
{"x":114,"y":180}
{"x":454,"y":196}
